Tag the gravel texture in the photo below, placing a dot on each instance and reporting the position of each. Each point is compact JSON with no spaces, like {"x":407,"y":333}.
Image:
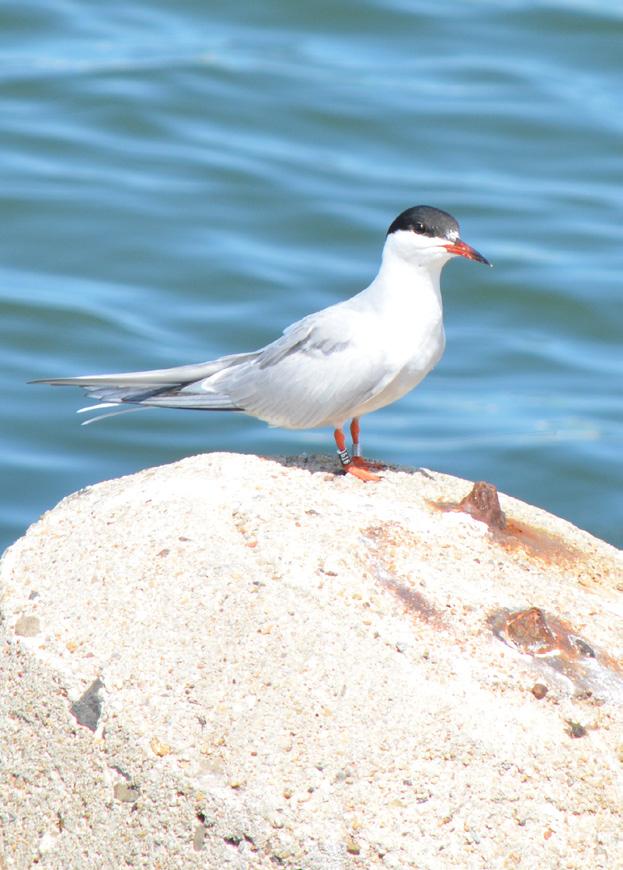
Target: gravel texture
{"x":235,"y":662}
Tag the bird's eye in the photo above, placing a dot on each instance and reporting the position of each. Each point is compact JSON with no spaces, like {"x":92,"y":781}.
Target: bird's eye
{"x":418,"y":226}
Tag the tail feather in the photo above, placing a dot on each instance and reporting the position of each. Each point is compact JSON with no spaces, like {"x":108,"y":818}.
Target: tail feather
{"x":176,"y":376}
{"x":165,"y":388}
{"x":99,"y":417}
{"x":88,"y":408}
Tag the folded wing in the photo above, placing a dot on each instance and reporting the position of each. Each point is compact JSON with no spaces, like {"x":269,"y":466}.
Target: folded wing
{"x":317,"y":373}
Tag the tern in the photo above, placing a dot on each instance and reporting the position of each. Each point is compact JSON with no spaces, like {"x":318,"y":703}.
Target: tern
{"x":332,"y":366}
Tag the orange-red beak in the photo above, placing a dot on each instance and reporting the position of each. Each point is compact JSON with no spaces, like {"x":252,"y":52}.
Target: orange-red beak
{"x":464,"y":250}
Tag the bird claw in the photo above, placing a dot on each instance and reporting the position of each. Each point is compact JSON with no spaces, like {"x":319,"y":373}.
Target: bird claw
{"x":361,"y":473}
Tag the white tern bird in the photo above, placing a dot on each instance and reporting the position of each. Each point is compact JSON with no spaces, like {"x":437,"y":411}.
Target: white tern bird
{"x":332,"y":366}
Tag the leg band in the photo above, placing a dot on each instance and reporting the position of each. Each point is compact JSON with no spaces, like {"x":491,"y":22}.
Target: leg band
{"x":344,"y":456}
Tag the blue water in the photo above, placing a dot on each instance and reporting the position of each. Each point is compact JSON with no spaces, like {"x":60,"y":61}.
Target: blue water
{"x":180,"y":182}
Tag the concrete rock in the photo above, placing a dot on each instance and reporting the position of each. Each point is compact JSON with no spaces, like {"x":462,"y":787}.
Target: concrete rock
{"x":277,"y":666}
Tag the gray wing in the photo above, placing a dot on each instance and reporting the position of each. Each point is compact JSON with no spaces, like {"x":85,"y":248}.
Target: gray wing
{"x":320,"y":370}
{"x":317,"y":373}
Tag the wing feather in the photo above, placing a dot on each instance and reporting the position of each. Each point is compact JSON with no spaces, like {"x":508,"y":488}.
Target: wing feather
{"x":317,"y":373}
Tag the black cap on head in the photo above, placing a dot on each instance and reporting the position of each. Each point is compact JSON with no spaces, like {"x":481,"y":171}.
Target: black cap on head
{"x":427,"y":221}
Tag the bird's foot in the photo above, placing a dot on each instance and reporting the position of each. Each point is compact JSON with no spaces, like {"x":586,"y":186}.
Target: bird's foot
{"x":360,"y":472}
{"x":368,"y":464}
{"x":354,"y":465}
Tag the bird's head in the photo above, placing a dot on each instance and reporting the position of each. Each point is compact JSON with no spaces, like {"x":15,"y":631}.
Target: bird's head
{"x":423,"y":235}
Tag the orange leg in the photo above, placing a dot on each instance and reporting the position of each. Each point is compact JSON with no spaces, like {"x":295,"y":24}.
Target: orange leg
{"x":358,"y":459}
{"x":347,"y":463}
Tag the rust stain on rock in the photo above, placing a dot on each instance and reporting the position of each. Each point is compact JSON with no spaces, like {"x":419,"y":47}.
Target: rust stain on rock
{"x":536,"y":633}
{"x":413,"y":600}
{"x":544,"y":636}
{"x":483,"y":504}
{"x":537,"y":543}
{"x":383,"y":542}
{"x":527,"y":631}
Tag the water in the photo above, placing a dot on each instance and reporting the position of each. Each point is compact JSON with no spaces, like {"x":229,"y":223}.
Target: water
{"x":179,"y":183}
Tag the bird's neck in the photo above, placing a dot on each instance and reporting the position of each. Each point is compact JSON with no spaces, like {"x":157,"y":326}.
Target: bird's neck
{"x":406,"y":282}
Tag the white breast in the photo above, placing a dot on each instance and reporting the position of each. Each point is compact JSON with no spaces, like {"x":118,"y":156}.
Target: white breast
{"x":408,"y":312}
{"x":425,"y":353}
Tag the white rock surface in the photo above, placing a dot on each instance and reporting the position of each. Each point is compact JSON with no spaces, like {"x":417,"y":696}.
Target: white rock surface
{"x":300,"y":670}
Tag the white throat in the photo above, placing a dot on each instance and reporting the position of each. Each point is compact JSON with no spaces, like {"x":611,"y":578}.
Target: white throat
{"x":410,"y":271}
